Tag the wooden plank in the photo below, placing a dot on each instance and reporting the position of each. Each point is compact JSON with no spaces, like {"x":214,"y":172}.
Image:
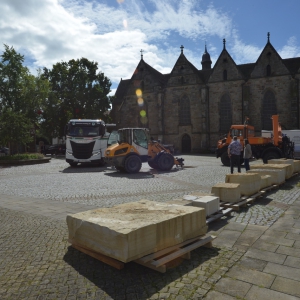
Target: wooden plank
{"x":182,"y":251}
{"x":106,"y":259}
{"x":161,"y":269}
{"x":162,"y":252}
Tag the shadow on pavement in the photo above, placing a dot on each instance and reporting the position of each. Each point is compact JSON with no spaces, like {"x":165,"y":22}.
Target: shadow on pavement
{"x":134,"y":281}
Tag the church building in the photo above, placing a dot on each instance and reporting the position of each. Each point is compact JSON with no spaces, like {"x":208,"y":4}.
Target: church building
{"x":192,"y":108}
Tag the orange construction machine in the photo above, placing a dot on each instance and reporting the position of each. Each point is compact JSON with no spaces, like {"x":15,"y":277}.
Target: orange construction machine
{"x":276,"y":146}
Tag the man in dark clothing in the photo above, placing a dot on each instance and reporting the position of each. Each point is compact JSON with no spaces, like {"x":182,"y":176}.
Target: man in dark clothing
{"x":234,"y":153}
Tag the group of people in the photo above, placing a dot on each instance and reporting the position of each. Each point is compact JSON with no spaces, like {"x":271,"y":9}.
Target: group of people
{"x":234,"y":152}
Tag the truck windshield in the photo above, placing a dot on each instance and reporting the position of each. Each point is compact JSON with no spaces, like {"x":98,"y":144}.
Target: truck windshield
{"x":83,"y":131}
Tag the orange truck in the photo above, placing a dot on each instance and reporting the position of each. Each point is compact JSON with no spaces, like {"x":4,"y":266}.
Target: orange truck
{"x":265,"y":148}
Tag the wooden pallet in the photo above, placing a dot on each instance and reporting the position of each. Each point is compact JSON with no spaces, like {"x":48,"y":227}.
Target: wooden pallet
{"x":244,"y":201}
{"x":161,"y":260}
{"x":221,"y":213}
{"x":158,"y":261}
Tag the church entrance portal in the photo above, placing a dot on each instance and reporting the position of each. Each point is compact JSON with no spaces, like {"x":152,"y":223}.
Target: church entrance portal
{"x":186,"y":144}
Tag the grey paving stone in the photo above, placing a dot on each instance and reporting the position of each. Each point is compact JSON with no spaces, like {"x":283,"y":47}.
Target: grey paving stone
{"x":262,"y":245}
{"x":251,"y":276}
{"x":214,"y":295}
{"x":252,"y":263}
{"x":227,"y":238}
{"x":292,"y":251}
{"x":266,"y":255}
{"x":248,"y":237}
{"x":292,"y":262}
{"x":258,"y":293}
{"x":287,"y":286}
{"x":278,"y":241}
{"x":232,"y":287}
{"x":282,"y":270}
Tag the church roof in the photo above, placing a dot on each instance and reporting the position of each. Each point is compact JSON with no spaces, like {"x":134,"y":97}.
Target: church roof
{"x":121,"y":90}
{"x":293,"y":64}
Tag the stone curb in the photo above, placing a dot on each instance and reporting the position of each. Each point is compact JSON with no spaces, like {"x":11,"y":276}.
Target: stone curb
{"x":25,"y":162}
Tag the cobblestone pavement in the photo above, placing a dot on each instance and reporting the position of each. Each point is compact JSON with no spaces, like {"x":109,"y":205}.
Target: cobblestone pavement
{"x":37,"y":261}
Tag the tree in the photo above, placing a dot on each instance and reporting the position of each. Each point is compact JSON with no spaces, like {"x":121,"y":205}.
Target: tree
{"x":78,"y":91}
{"x":15,"y":128}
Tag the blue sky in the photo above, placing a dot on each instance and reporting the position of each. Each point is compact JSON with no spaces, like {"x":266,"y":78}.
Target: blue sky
{"x":112,"y":32}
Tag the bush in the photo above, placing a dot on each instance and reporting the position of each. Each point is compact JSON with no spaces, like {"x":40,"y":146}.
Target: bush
{"x":23,"y":156}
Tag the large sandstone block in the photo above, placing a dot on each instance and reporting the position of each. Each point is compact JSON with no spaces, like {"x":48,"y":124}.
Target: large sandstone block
{"x":266,"y":181}
{"x":211,"y":204}
{"x":296,"y":166}
{"x":284,"y":161}
{"x":277,"y":175}
{"x":132,"y":230}
{"x":249,"y":183}
{"x":227,"y":192}
{"x":286,"y":167}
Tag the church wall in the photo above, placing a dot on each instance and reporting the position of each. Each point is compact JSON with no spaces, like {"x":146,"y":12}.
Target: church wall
{"x":173,"y":131}
{"x":281,"y":86}
{"x":216,"y":91}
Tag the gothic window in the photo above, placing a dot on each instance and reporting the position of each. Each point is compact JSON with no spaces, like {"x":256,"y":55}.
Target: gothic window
{"x":225,"y":75}
{"x":268,"y":109}
{"x":184,"y":111}
{"x":225,"y":113}
{"x":268,"y":70}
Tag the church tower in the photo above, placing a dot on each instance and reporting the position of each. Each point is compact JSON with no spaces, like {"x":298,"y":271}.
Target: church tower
{"x":206,"y":61}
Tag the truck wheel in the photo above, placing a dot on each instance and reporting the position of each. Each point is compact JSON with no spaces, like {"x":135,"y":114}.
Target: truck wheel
{"x":166,"y":161}
{"x":153,"y":165}
{"x":270,"y":155}
{"x":225,"y":159}
{"x":133,"y":164}
{"x":101,"y":163}
{"x":73,"y":164}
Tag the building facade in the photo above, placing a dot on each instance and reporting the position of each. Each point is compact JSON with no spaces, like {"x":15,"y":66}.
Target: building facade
{"x":192,"y":108}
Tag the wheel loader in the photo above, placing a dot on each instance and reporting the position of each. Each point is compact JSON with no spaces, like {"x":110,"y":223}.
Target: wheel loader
{"x":130,"y":147}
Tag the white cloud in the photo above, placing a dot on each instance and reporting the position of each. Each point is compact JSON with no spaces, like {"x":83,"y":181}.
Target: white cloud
{"x":291,"y":49}
{"x":59,"y":30}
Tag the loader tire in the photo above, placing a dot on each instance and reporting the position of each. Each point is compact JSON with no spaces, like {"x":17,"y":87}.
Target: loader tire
{"x":270,"y":155}
{"x":166,"y":162}
{"x":133,"y":164}
{"x":153,"y":165}
{"x":225,"y":159}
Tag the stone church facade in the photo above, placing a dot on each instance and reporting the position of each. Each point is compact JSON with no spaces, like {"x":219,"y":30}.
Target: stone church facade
{"x":192,"y":108}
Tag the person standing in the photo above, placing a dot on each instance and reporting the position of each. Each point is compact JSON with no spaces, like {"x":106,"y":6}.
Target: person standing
{"x":234,"y":152}
{"x":247,"y":154}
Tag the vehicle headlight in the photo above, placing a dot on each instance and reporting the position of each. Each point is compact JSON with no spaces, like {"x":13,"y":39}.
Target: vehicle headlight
{"x":70,"y":153}
{"x":96,"y":153}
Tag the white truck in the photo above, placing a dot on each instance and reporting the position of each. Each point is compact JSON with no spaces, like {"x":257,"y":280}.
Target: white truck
{"x":86,"y":141}
{"x":294,"y":136}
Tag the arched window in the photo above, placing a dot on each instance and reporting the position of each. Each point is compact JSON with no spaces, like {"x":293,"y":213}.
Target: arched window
{"x":225,"y":75}
{"x":225,"y":113}
{"x":268,"y":109}
{"x":268,"y":69}
{"x":184,"y":111}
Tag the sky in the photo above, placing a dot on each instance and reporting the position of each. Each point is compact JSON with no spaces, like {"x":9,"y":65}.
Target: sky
{"x":113,"y":32}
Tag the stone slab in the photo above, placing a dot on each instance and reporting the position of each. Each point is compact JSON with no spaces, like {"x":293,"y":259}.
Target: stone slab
{"x":227,"y":192}
{"x":211,"y":204}
{"x":287,"y":167}
{"x":283,"y":161}
{"x":286,"y":286}
{"x":296,"y":166}
{"x":277,"y":176}
{"x":266,"y":181}
{"x":266,"y":255}
{"x":132,"y":230}
{"x":237,"y":288}
{"x":282,"y":270}
{"x":249,"y":182}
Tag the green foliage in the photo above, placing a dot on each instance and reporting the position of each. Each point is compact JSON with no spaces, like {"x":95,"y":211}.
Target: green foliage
{"x":15,"y":127}
{"x":78,"y":91}
{"x":23,"y":156}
